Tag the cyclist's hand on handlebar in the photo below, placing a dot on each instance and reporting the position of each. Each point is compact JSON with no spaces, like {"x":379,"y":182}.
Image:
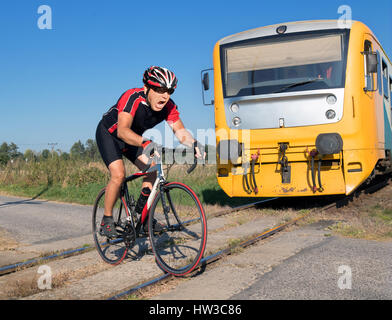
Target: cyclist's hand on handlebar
{"x":199,"y":150}
{"x":199,"y":153}
{"x":151,"y":148}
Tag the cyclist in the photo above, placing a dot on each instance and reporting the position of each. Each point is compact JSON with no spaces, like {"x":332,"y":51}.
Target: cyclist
{"x":119,"y":133}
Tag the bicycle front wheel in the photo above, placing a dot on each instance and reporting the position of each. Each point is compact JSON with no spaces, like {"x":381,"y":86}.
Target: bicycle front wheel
{"x":180,"y":244}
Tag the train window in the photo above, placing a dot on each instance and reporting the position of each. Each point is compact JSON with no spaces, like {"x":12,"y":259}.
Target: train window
{"x":390,"y":89}
{"x":385,"y":79}
{"x":369,"y":77}
{"x":295,"y":62}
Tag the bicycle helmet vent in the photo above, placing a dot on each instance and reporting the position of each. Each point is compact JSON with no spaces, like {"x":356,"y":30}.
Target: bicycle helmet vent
{"x":160,"y":77}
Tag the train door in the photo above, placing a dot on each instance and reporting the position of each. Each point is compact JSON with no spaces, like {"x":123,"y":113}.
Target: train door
{"x":370,"y":83}
{"x":374,"y":92}
{"x":390,"y":91}
{"x":385,"y":72}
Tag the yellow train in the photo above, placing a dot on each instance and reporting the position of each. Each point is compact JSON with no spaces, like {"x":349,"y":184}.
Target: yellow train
{"x":301,"y":109}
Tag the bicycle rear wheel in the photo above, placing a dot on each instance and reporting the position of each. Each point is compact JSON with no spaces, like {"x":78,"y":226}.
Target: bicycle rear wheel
{"x":179,"y":247}
{"x":112,"y":251}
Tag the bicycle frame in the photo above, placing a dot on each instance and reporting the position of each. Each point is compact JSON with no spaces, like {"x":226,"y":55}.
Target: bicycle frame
{"x":125,"y":196}
{"x":164,"y":223}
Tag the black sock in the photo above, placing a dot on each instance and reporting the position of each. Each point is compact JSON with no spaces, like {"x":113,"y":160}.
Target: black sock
{"x":141,"y":202}
{"x":107,"y":218}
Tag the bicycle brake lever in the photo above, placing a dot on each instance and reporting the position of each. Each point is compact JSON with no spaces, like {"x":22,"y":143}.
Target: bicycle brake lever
{"x":195,"y":164}
{"x":192,"y":168}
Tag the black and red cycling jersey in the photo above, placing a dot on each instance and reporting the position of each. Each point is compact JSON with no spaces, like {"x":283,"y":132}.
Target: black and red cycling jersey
{"x":144,"y":118}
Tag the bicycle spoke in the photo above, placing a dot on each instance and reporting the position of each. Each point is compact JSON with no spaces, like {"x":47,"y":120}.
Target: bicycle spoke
{"x":181,"y":244}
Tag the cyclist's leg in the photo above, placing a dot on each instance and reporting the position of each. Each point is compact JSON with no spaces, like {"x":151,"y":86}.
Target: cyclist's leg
{"x":111,"y":153}
{"x":110,"y":150}
{"x":147,"y":184}
{"x":135,"y":155}
{"x":117,"y":176}
{"x":112,"y":193}
{"x":149,"y":179}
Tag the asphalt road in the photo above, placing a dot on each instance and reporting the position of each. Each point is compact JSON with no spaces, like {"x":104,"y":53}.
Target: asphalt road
{"x":34,"y":221}
{"x":335,"y":268}
{"x":304,"y":264}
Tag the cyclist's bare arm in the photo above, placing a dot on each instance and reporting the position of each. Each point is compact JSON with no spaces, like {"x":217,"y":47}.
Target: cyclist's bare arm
{"x":183,"y":135}
{"x":124,"y":132}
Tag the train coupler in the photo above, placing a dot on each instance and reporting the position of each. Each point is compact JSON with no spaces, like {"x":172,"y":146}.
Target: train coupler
{"x":284,"y":164}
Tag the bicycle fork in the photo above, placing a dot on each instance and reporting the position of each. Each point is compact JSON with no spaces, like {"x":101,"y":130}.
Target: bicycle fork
{"x":166,"y":210}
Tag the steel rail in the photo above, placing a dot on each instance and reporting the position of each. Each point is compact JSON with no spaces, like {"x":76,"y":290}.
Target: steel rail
{"x":216,"y":256}
{"x":253,"y":239}
{"x":32,"y":262}
{"x":72,"y":252}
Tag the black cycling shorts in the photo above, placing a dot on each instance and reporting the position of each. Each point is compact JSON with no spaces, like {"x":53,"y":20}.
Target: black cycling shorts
{"x":112,"y":148}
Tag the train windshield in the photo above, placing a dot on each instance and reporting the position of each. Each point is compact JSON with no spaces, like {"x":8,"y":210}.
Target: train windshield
{"x":285,"y":63}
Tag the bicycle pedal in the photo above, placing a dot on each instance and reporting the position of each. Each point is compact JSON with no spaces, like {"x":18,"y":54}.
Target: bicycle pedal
{"x":138,"y":258}
{"x":149,"y":252}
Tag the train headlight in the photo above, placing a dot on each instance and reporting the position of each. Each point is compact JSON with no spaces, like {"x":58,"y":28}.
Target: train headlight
{"x":330,"y":114}
{"x":329,"y":143}
{"x":234,"y":108}
{"x":281,"y":29}
{"x":331,"y":99}
{"x":236,"y":121}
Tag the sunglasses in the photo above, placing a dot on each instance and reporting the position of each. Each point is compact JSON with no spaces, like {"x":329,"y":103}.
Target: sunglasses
{"x":163,"y":90}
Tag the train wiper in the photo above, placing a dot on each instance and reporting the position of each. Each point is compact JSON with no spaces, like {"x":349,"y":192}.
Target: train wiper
{"x":296,"y":84}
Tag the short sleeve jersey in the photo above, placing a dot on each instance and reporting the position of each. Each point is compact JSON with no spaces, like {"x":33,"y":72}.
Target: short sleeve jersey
{"x":144,"y":118}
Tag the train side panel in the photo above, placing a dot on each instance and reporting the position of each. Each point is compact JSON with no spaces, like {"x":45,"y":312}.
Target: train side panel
{"x":361,"y":150}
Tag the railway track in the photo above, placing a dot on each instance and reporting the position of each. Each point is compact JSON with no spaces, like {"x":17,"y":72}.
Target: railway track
{"x":75,"y":251}
{"x":211,"y":257}
{"x":370,"y":188}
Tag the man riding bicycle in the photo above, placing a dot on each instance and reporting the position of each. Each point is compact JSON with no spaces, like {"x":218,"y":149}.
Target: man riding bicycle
{"x":120,"y":131}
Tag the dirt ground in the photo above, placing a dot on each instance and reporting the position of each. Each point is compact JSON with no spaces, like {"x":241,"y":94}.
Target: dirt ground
{"x":368,"y":216}
{"x":7,"y":242}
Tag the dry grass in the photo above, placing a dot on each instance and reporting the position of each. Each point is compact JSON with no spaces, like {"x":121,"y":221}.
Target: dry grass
{"x":368,"y":217}
{"x":27,"y":285}
{"x":369,"y":224}
{"x":156,"y":289}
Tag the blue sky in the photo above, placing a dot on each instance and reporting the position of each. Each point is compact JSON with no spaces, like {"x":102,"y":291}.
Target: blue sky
{"x":56,"y":84}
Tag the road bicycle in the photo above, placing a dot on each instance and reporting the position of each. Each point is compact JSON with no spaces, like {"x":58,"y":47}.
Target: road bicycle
{"x":179,"y":244}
